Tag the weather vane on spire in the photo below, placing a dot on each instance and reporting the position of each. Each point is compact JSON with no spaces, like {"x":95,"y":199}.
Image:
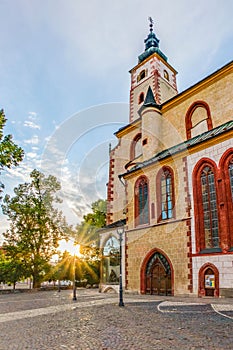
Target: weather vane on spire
{"x":151,"y":23}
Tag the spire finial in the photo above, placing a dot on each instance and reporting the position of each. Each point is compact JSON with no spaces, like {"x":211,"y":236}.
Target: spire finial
{"x":151,"y":23}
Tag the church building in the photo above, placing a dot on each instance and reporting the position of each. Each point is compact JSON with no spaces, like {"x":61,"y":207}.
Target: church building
{"x":171,"y":184}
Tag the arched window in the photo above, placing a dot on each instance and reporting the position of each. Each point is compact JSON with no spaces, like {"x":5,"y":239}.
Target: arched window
{"x":165,"y":194}
{"x":226,"y":195}
{"x":141,"y":75}
{"x":198,"y":119}
{"x":206,"y":206}
{"x":230,"y":171}
{"x":136,"y":147}
{"x":111,"y":261}
{"x":141,"y":98}
{"x":166,"y":75}
{"x":141,"y":202}
{"x":209,"y":203}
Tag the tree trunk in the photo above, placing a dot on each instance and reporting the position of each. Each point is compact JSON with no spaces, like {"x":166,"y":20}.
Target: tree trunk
{"x":36,"y":279}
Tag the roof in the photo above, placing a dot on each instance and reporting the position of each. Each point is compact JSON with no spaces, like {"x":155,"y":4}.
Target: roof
{"x":113,"y":225}
{"x":183,"y":146}
{"x":150,"y":100}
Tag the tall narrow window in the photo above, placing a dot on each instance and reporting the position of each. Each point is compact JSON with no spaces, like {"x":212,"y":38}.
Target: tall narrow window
{"x":209,"y":203}
{"x":165,"y":194}
{"x":141,"y":202}
{"x":230,"y":169}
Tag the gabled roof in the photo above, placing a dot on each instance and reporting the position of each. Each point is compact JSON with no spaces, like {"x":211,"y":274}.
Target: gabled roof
{"x":183,"y":146}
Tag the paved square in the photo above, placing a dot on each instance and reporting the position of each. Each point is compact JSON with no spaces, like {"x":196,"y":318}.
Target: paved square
{"x":51,"y":320}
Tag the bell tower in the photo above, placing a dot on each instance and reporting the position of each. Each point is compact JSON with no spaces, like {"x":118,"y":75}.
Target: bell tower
{"x":152,"y":70}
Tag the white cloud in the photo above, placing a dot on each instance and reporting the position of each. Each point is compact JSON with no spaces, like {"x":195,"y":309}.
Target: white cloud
{"x":32,"y":121}
{"x":31,"y":124}
{"x":32,"y":155}
{"x":34,"y":140}
{"x":32,"y":115}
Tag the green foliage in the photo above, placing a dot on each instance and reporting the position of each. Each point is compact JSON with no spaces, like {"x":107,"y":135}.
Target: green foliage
{"x":12,"y":271}
{"x":36,"y":226}
{"x":98,"y":216}
{"x":10,"y":153}
{"x":86,"y":234}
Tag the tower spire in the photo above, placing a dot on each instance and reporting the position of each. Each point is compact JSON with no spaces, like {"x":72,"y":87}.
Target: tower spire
{"x":151,"y":40}
{"x":151,"y":44}
{"x":151,"y":23}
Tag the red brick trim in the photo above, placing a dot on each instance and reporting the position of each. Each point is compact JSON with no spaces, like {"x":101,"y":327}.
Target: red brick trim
{"x":188,"y":225}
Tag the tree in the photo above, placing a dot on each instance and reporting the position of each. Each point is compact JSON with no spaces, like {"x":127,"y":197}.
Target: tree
{"x":10,"y":153}
{"x":35,"y":225}
{"x":98,"y":216}
{"x":87,"y":236}
{"x":11,"y":271}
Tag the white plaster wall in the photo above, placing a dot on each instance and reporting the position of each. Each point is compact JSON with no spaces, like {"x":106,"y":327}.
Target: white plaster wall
{"x":224,"y":264}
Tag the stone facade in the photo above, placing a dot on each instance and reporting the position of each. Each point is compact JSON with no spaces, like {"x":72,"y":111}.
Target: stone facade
{"x":178,"y":231}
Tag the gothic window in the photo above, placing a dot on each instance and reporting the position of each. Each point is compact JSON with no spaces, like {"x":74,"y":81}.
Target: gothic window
{"x":226,"y":195}
{"x":206,"y":206}
{"x":136,"y":147}
{"x":165,"y":194}
{"x":141,"y":98}
{"x":209,"y":204}
{"x":230,"y":170}
{"x":141,"y":202}
{"x":198,"y":119}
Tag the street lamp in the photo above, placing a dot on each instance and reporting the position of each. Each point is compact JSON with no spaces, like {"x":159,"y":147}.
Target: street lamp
{"x":70,"y":246}
{"x":120,"y":232}
{"x":74,"y":284}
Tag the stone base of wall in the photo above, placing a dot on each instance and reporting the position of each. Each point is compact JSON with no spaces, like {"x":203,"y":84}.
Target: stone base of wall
{"x":226,"y":292}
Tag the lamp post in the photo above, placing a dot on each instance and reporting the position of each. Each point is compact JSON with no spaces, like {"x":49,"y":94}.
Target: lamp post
{"x":120,"y":232}
{"x":74,"y":284}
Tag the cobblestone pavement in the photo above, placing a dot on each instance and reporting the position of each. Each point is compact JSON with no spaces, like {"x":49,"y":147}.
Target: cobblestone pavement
{"x":51,"y":320}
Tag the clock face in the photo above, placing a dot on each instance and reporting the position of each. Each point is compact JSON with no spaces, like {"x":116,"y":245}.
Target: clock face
{"x":111,"y":246}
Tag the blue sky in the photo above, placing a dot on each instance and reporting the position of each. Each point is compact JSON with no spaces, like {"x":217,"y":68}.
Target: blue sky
{"x":65,"y":82}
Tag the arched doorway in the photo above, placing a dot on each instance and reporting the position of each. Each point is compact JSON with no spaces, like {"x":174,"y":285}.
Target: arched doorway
{"x":208,"y":281}
{"x":156,"y":275}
